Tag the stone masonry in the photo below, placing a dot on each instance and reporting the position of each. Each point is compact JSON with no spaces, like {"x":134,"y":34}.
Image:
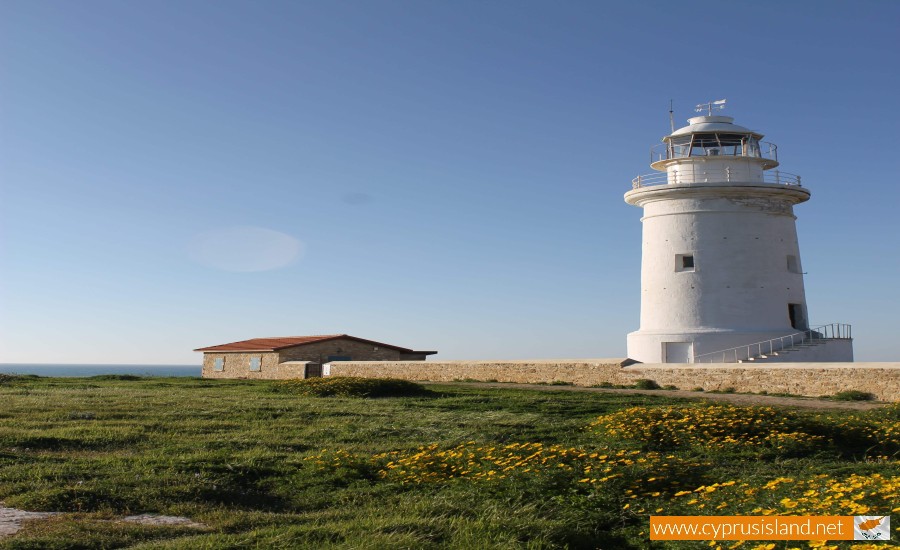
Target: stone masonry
{"x":318,"y":352}
{"x":237,"y":365}
{"x":808,"y":379}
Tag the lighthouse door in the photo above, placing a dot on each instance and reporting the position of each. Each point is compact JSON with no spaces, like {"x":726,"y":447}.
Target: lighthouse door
{"x":678,"y":352}
{"x":798,"y":319}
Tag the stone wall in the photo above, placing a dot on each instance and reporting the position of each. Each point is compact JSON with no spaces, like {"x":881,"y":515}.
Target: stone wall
{"x":237,"y":365}
{"x":318,"y":352}
{"x":810,"y":379}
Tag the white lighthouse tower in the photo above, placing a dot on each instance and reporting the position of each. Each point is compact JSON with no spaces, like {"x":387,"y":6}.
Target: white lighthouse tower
{"x":721,"y":277}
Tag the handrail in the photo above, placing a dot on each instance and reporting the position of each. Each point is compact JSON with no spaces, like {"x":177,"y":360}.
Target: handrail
{"x":663,"y":178}
{"x":739,"y":353}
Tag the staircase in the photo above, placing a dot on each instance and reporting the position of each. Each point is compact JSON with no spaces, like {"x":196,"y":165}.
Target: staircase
{"x":823,"y":343}
{"x":803,"y":351}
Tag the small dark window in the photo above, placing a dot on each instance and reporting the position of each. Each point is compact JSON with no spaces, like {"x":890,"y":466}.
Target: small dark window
{"x":684,"y":262}
{"x":339,"y":358}
{"x":792,"y":264}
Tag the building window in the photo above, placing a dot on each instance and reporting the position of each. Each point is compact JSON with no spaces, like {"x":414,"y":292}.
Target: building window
{"x":219,"y":364}
{"x":793,"y":265}
{"x":255,"y":362}
{"x":339,"y":358}
{"x":684,"y":262}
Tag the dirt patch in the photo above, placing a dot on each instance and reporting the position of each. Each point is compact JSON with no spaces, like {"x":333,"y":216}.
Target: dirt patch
{"x":153,"y":519}
{"x":11,"y":519}
{"x":735,"y":398}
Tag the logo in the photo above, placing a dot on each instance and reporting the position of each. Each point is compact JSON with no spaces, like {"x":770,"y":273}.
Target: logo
{"x":872,"y":528}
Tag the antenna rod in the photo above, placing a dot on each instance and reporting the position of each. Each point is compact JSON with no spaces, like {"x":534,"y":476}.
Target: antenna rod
{"x":671,"y":117}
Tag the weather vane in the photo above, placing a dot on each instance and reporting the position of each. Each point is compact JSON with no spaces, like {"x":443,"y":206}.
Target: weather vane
{"x":708,"y":107}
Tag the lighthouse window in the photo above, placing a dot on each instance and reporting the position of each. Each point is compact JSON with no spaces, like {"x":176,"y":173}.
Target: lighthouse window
{"x":680,"y":147}
{"x":792,"y":264}
{"x":684,"y":262}
{"x":753,"y":148}
{"x":713,"y":144}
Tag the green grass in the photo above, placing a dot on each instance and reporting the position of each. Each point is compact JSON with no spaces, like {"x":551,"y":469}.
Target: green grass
{"x":646,"y":384}
{"x":349,"y":386}
{"x":853,"y":395}
{"x":273,"y":469}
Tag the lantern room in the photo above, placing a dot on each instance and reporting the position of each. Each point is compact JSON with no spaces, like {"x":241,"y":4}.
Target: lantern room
{"x":714,"y":136}
{"x":712,"y":149}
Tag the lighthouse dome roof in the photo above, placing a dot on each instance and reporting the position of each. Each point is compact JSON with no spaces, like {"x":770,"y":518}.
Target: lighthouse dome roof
{"x":712,"y":124}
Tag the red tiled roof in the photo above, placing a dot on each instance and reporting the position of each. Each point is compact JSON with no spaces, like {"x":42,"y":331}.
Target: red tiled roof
{"x":276,"y":343}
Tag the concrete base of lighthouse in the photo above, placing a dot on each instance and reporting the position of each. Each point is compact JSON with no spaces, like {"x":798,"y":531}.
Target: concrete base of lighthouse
{"x":701,"y":346}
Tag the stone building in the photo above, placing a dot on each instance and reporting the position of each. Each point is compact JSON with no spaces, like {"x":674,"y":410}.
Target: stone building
{"x":296,"y":356}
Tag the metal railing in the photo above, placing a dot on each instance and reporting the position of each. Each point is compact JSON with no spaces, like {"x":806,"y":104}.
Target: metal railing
{"x":759,"y":149}
{"x":784,"y":343}
{"x":687,"y":175}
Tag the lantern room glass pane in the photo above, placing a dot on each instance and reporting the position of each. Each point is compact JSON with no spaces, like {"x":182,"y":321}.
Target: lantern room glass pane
{"x":713,"y":145}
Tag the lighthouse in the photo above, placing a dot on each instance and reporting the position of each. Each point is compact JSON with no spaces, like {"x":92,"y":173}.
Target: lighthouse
{"x":721,"y":275}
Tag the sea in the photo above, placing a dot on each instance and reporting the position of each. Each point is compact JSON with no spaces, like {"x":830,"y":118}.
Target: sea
{"x":94,"y":370}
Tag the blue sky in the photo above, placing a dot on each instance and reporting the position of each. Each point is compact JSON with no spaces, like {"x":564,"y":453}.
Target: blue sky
{"x":438,"y":175}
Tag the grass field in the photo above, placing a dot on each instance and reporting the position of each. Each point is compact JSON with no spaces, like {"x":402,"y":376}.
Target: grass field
{"x":464,"y":467}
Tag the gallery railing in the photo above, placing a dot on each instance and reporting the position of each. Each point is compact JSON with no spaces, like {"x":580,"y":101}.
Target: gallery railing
{"x":687,"y":175}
